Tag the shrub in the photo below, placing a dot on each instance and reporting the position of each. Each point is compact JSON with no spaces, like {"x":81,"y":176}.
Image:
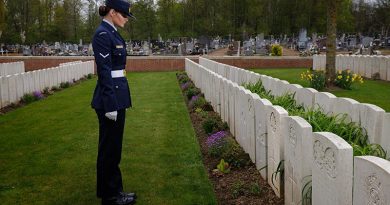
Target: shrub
{"x":46,"y":91}
{"x":209,"y":124}
{"x":234,"y":154}
{"x":28,"y":98}
{"x":55,"y":88}
{"x":183,"y":78}
{"x":197,"y":102}
{"x":89,"y":76}
{"x":65,"y":85}
{"x":276,"y":50}
{"x":213,"y":124}
{"x":202,"y":113}
{"x":216,"y":143}
{"x":187,"y":85}
{"x":192,"y":92}
{"x":345,"y":79}
{"x":316,"y":78}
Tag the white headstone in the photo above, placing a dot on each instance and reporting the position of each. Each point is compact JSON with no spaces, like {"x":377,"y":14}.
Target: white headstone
{"x":293,"y":88}
{"x":305,"y":97}
{"x":371,"y":181}
{"x":298,"y":152}
{"x":332,"y":170}
{"x":382,"y":68}
{"x":375,"y":65}
{"x":363,"y":66}
{"x":261,"y":133}
{"x":325,"y":101}
{"x":275,"y":146}
{"x":4,"y":91}
{"x":12,"y":88}
{"x":232,"y":101}
{"x":385,"y":135}
{"x":369,"y":66}
{"x":388,"y":68}
{"x":371,"y":118}
{"x":347,"y":106}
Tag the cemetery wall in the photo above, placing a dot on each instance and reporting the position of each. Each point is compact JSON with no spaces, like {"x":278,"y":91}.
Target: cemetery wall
{"x":269,"y":135}
{"x":165,"y":63}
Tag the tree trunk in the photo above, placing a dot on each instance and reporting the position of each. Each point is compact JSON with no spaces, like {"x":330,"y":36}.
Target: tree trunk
{"x":331,"y":41}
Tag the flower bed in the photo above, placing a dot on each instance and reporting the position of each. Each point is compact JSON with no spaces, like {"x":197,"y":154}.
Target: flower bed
{"x":235,"y":178}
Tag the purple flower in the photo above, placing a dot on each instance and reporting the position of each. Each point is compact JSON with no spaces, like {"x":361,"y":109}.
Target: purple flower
{"x":38,"y":95}
{"x":185,"y":85}
{"x":216,"y":139}
{"x":193,"y":100}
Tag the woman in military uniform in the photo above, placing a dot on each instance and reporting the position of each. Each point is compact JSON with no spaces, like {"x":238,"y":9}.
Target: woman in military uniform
{"x":110,"y":100}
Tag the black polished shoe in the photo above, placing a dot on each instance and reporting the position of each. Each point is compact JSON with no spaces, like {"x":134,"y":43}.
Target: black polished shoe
{"x":118,"y":200}
{"x":128,"y":194}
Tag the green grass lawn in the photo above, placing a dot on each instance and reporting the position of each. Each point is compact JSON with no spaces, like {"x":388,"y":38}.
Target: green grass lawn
{"x":48,"y":149}
{"x":374,"y":92}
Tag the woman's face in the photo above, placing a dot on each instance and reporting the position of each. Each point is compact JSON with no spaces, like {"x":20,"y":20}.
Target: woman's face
{"x":119,"y":19}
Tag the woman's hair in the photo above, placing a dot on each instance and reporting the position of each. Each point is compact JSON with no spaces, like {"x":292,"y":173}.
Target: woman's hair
{"x":103,"y":10}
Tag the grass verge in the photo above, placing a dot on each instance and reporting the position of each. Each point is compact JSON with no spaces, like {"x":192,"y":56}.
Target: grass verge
{"x":48,"y":148}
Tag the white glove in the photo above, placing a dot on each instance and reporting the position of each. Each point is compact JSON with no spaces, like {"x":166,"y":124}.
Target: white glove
{"x":112,"y":115}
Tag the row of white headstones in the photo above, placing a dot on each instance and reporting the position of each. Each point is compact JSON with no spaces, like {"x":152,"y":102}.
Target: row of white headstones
{"x":14,"y":86}
{"x":364,"y":65}
{"x":269,"y":135}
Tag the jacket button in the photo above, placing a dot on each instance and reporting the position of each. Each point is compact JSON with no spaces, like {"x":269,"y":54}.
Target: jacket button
{"x":116,"y":87}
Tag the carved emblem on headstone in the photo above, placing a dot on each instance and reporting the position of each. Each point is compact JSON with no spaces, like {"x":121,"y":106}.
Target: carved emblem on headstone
{"x":292,"y":135}
{"x":374,"y":190}
{"x":325,"y":158}
{"x":272,"y":120}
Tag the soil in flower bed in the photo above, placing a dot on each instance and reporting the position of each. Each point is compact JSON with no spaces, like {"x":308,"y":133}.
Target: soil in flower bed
{"x":241,"y":186}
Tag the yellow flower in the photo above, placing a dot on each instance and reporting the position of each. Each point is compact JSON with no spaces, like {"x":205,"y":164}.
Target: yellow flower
{"x":348,"y":71}
{"x":339,"y":77}
{"x":339,"y":71}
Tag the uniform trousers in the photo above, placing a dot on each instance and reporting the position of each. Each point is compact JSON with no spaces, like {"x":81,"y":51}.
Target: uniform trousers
{"x":109,"y":177}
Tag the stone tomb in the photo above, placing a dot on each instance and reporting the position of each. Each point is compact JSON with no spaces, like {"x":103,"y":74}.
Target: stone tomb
{"x":298,"y":152}
{"x":261,"y":133}
{"x":332,"y":170}
{"x":371,"y":181}
{"x":275,"y":146}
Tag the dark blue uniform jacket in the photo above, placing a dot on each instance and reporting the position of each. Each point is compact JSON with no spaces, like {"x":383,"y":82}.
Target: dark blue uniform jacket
{"x":109,"y":49}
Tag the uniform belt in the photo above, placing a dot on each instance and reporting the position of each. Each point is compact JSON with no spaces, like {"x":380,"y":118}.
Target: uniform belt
{"x":118,"y":73}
